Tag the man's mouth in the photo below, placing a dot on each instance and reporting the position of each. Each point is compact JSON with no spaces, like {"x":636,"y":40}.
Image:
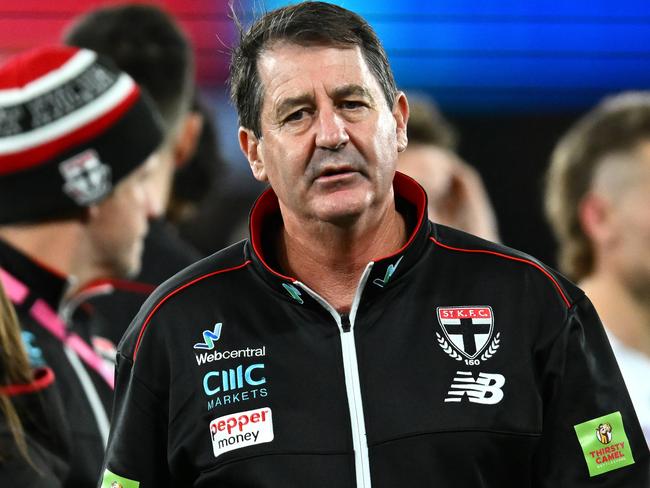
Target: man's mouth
{"x":332,"y":174}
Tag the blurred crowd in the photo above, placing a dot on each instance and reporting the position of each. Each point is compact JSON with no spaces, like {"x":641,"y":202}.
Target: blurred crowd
{"x":114,"y":112}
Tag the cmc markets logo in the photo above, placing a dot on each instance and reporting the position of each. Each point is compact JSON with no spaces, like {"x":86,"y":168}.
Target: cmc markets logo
{"x":209,"y":338}
{"x":234,"y":385}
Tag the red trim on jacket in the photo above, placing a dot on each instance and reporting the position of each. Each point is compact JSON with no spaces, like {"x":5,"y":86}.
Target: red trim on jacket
{"x":407,"y":188}
{"x":267,"y":204}
{"x":125,"y":285}
{"x":174,"y":292}
{"x":513,"y":258}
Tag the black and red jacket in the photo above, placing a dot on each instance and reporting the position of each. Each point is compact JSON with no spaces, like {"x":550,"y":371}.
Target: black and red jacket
{"x":462,"y":363}
{"x":85,"y":394}
{"x":45,"y":464}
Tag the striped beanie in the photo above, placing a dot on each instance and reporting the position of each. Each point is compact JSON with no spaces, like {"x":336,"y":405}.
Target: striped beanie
{"x":71,"y":126}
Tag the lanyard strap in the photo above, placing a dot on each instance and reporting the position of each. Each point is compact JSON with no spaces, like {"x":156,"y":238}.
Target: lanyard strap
{"x":48,"y":319}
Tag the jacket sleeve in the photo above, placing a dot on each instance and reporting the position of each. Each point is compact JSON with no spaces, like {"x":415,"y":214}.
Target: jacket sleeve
{"x":591,"y":435}
{"x":137,"y":446}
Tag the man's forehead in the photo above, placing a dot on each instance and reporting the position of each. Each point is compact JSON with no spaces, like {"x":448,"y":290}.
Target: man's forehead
{"x":290,"y":70}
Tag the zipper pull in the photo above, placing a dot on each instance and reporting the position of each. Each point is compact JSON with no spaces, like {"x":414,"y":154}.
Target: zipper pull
{"x":345,"y":323}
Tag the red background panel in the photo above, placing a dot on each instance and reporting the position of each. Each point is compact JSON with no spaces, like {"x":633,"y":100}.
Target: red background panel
{"x":29,"y":23}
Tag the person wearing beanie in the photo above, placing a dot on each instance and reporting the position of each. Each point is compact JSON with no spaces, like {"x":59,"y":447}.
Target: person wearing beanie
{"x":78,"y":143}
{"x":146,"y":42}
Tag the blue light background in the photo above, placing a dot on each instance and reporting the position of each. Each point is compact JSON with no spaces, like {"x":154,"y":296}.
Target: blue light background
{"x":514,"y":56}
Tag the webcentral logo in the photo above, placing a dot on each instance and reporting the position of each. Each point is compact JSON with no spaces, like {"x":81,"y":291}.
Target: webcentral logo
{"x":232,"y":379}
{"x":210,"y":357}
{"x":209,"y":338}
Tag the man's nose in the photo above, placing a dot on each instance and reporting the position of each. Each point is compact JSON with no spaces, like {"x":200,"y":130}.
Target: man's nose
{"x":332,"y":132}
{"x":152,"y":202}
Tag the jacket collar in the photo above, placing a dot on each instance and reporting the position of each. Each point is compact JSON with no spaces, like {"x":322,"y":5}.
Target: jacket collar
{"x":43,"y":282}
{"x":411,"y":201}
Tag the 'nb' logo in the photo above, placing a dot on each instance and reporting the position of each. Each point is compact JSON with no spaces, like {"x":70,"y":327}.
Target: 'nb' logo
{"x":486,"y":389}
{"x":209,"y":338}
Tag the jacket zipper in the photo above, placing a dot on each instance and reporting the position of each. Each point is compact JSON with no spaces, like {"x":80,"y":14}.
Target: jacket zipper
{"x":345,"y":324}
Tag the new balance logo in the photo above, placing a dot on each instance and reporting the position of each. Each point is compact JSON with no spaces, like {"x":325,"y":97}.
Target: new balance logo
{"x":485,"y":389}
{"x":209,"y":338}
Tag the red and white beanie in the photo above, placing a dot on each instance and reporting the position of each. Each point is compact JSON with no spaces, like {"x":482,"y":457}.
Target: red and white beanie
{"x":71,"y":126}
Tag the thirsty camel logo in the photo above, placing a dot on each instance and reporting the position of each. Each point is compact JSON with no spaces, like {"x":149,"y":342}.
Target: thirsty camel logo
{"x":604,"y":433}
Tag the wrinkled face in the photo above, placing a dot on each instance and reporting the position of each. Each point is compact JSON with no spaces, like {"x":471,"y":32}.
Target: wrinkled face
{"x":329,"y":140}
{"x":628,"y":238}
{"x":118,"y":225}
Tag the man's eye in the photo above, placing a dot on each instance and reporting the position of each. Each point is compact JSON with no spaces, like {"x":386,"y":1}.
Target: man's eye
{"x":351,"y":104}
{"x":295,"y":116}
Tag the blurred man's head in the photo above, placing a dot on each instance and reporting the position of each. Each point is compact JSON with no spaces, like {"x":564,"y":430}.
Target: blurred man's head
{"x":76,"y":144}
{"x":149,"y":45}
{"x":196,"y":178}
{"x":598,"y":192}
{"x":429,"y":158}
{"x":455,"y":191}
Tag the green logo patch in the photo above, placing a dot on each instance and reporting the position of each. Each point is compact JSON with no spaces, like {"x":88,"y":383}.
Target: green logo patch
{"x":604,"y":443}
{"x":111,"y":480}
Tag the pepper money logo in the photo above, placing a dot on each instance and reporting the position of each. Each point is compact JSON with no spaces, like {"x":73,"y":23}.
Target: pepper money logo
{"x":209,"y":338}
{"x":241,"y":429}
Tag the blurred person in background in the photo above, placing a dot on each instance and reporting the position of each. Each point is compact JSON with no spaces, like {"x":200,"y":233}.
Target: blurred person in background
{"x":456,"y":194}
{"x":196,"y":179}
{"x":34,"y":443}
{"x":78,"y":145}
{"x":146,"y":42}
{"x":598,"y":203}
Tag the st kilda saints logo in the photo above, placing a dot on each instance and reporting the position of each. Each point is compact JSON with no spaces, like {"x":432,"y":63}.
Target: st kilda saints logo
{"x":468,"y":333}
{"x":87,"y":179}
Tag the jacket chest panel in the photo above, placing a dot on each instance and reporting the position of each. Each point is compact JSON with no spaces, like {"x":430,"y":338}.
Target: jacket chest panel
{"x":272,"y":393}
{"x":440,"y":364}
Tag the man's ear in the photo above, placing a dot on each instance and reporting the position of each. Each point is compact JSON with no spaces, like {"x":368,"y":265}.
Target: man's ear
{"x":594,"y":213}
{"x":401,"y":115}
{"x":187,"y":138}
{"x":249,"y":144}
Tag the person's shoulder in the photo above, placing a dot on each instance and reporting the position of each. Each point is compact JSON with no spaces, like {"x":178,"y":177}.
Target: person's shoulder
{"x":165,"y":253}
{"x":221,"y":263}
{"x":509,"y":263}
{"x":227,"y":259}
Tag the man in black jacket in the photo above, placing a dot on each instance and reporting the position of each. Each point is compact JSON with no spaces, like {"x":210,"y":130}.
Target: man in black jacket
{"x":351,"y":342}
{"x":77,"y":145}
